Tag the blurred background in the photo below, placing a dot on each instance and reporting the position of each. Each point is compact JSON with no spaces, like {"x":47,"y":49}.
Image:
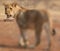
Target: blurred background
{"x":53,"y":6}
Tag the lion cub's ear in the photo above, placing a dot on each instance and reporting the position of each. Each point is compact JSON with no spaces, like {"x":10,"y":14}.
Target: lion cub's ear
{"x":14,"y":4}
{"x":5,"y":4}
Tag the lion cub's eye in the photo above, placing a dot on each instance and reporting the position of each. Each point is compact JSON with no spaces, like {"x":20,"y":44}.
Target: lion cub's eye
{"x":11,"y":8}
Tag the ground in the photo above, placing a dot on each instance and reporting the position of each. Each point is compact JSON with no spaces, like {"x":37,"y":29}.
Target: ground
{"x":9,"y":36}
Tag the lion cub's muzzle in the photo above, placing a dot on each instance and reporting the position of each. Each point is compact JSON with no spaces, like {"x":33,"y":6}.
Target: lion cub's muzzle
{"x":8,"y":18}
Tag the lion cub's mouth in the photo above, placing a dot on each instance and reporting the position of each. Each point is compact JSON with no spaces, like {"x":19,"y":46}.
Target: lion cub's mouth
{"x":8,"y":16}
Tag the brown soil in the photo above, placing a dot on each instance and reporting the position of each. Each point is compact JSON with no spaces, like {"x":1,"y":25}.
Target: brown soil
{"x":9,"y":36}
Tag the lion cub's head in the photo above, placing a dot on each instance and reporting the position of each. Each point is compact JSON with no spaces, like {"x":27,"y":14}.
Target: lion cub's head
{"x":12,"y":9}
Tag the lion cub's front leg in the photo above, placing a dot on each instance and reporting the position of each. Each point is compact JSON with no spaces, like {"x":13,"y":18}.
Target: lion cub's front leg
{"x":23,"y":42}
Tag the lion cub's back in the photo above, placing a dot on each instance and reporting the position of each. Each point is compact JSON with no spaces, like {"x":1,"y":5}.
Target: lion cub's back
{"x":32,"y":15}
